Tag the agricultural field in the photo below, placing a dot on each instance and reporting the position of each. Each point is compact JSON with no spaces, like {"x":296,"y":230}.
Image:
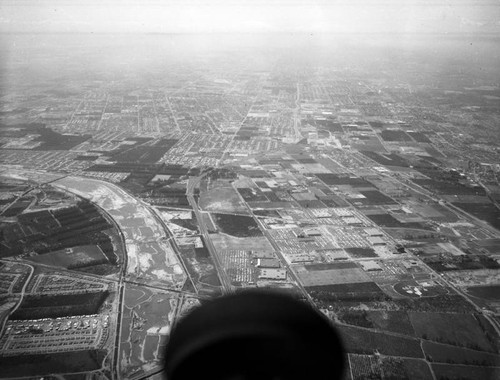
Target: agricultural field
{"x":364,"y":367}
{"x":456,"y":329}
{"x":444,"y":353}
{"x":45,"y":365}
{"x":490,"y":292}
{"x":237,"y":225}
{"x":226,"y":242}
{"x":362,"y":341}
{"x":373,"y":367}
{"x":330,"y":295}
{"x":59,"y":305}
{"x":404,"y":368}
{"x":462,"y":372}
{"x":75,"y":236}
{"x":384,"y":320}
{"x":329,"y":274}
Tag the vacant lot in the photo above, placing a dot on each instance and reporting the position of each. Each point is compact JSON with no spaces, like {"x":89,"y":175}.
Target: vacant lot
{"x":361,"y":252}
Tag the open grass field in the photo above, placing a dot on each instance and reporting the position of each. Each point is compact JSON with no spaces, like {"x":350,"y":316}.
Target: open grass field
{"x":457,"y":329}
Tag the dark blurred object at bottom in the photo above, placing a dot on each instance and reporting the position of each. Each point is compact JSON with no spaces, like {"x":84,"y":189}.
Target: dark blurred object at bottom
{"x":254,"y":335}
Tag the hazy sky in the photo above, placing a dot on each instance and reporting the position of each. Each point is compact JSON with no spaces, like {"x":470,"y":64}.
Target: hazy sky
{"x":193,"y":16}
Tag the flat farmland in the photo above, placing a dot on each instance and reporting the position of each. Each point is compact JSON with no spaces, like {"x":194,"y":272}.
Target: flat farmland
{"x":363,"y":341}
{"x":403,"y":368}
{"x":147,"y":319}
{"x":456,"y":329}
{"x":59,"y":305}
{"x":45,"y":365}
{"x":391,"y":321}
{"x":226,"y":242}
{"x":149,"y":257}
{"x":342,"y":275}
{"x":465,"y":372}
{"x":491,"y":292}
{"x":444,"y":353}
{"x":237,"y":225}
{"x":364,"y":367}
